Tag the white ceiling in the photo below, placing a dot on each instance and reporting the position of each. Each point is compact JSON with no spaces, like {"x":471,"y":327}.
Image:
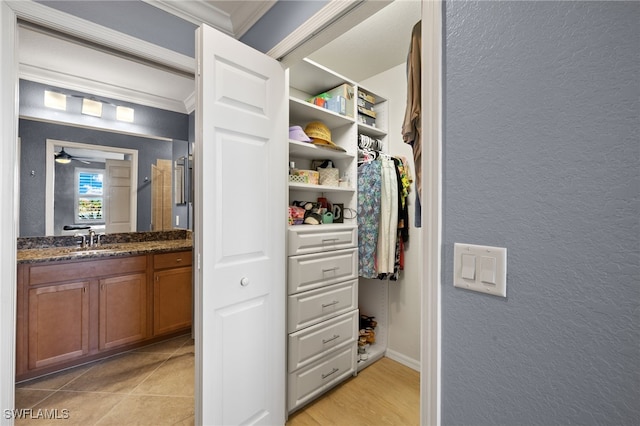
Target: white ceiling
{"x":377,"y":44}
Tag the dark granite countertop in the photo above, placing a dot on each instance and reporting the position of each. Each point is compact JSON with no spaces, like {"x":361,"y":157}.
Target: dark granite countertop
{"x":43,"y":249}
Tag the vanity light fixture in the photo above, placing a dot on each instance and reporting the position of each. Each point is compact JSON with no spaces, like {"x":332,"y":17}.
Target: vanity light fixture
{"x":124,"y":114}
{"x":91,"y":107}
{"x":55,"y":100}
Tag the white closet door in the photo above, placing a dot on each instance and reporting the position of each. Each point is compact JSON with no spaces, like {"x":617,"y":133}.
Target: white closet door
{"x":240,"y":226}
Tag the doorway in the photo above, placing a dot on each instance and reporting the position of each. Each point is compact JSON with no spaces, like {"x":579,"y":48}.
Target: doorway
{"x":430,"y":361}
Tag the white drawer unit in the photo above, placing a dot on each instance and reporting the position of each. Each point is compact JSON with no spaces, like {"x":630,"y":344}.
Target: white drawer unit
{"x":311,"y":307}
{"x":307,"y":383}
{"x":314,"y":239}
{"x":312,"y":343}
{"x":310,"y":271}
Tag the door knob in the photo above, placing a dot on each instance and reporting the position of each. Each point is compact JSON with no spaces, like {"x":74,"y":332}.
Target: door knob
{"x":244,"y":281}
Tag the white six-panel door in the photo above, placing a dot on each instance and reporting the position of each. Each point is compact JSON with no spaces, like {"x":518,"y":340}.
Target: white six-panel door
{"x":240,"y":170}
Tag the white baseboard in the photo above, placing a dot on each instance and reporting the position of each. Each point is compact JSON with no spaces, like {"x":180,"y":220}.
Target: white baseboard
{"x":403,"y":359}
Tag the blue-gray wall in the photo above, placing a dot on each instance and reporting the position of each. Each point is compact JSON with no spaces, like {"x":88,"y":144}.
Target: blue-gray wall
{"x":541,"y":155}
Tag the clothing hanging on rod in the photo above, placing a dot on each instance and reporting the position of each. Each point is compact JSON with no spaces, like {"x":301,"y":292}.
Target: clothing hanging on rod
{"x":382,"y":215}
{"x":411,"y":132}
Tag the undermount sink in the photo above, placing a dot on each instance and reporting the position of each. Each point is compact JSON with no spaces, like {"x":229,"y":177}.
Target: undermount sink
{"x":80,"y":251}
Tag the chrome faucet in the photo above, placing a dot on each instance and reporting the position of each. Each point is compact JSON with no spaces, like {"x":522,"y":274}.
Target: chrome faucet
{"x":83,"y":239}
{"x":91,"y":235}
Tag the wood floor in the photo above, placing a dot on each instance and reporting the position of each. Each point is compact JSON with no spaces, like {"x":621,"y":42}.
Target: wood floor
{"x":385,"y":393}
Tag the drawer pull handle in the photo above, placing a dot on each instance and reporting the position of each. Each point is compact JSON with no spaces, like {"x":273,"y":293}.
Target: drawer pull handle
{"x":335,"y":336}
{"x":335,"y":268}
{"x":335,"y":370}
{"x":326,"y":305}
{"x":179,"y":259}
{"x":329,"y":240}
{"x":244,"y":281}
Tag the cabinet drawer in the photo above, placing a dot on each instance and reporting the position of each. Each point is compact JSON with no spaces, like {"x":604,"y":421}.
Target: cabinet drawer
{"x":312,"y":343}
{"x":172,"y":260}
{"x":59,"y":271}
{"x":311,"y":271}
{"x":309,"y":382}
{"x":312,"y":307}
{"x":313,"y":239}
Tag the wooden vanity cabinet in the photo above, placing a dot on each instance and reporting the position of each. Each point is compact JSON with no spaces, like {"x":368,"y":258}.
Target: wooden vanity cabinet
{"x":172,"y":292}
{"x":71,"y":312}
{"x":123,"y":310}
{"x":58,"y":324}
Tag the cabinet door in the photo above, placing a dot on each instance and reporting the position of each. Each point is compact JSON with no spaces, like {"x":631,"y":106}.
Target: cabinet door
{"x":123,"y":310}
{"x":172,"y":300}
{"x":58,"y":327}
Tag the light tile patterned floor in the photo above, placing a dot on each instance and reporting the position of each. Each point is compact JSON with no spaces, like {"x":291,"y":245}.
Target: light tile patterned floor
{"x":154,"y":386}
{"x":148,"y":386}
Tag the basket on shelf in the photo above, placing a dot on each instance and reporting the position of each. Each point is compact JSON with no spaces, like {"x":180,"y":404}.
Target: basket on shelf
{"x":304,"y":176}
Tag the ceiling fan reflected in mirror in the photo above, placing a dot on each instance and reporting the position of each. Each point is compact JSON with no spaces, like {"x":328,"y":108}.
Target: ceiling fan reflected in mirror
{"x":63,"y":157}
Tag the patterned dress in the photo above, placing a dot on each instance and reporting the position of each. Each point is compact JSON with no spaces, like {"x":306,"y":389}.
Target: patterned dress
{"x":369,"y":187}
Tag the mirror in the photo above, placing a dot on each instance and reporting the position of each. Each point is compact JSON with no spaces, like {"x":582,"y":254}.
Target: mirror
{"x":137,"y":108}
{"x":47,"y":188}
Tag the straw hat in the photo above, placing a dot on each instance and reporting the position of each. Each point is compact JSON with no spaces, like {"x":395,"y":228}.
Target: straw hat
{"x":321,"y":135}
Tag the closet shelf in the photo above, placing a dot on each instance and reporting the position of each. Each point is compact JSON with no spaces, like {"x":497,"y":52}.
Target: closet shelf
{"x":302,"y":112}
{"x":375,"y":353}
{"x":307,"y":187}
{"x":371,"y":131}
{"x":313,"y":152}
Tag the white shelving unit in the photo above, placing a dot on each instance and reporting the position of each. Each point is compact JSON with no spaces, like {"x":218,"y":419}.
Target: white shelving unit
{"x":333,"y":246}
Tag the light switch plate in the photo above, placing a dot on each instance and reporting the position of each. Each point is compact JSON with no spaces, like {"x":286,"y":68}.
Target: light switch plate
{"x":490,"y":264}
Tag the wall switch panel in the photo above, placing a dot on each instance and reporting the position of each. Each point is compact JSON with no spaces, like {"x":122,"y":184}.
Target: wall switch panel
{"x":480,"y":268}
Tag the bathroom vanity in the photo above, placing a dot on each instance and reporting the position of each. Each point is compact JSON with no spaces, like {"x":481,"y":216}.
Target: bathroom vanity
{"x":77,"y":305}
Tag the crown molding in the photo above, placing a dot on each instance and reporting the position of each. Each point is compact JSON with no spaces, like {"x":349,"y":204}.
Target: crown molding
{"x":248,"y":14}
{"x":197,"y":12}
{"x":190,"y":103}
{"x":83,"y":29}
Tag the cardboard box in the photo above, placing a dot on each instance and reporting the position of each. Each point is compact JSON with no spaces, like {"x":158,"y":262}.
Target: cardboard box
{"x":337,"y":104}
{"x":368,"y":112}
{"x":346,"y":92}
{"x":365,"y":119}
{"x":367,"y":97}
{"x":365,"y":104}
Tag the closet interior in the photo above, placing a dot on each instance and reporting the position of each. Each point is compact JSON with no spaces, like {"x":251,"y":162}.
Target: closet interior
{"x":351,"y":206}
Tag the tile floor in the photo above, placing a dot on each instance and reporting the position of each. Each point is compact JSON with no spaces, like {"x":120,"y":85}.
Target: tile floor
{"x":147,"y":386}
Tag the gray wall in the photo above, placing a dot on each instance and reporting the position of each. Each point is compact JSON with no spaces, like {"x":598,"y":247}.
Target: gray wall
{"x":541,"y":155}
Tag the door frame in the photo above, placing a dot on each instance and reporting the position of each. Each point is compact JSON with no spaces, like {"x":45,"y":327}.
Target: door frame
{"x":431,"y":197}
{"x":10,"y":11}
